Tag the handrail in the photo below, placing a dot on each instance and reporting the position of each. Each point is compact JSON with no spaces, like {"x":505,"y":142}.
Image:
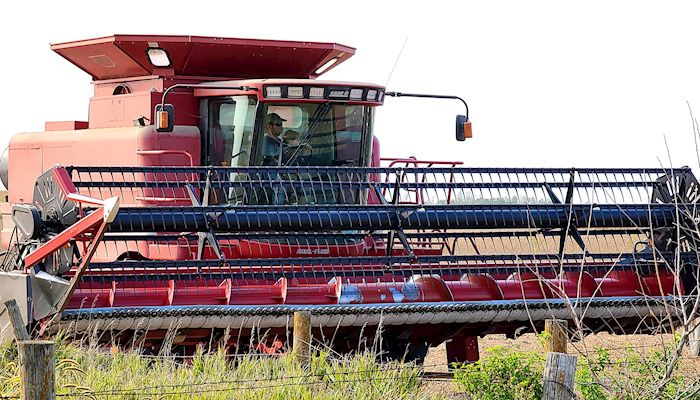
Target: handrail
{"x":413,"y":160}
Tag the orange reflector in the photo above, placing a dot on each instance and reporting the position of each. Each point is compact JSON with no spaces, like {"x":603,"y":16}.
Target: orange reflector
{"x":162,"y":119}
{"x":467,"y":129}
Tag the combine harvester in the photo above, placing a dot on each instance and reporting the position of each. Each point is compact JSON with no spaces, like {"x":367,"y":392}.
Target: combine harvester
{"x":218,"y":187}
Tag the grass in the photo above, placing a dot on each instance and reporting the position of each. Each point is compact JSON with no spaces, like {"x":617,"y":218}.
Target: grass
{"x":92,"y":373}
{"x":629,"y":372}
{"x":503,"y":373}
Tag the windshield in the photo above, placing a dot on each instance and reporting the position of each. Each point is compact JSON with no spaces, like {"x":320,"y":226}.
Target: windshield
{"x":313,"y":135}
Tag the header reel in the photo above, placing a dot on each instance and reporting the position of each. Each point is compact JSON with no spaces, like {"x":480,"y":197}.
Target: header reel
{"x":310,"y":235}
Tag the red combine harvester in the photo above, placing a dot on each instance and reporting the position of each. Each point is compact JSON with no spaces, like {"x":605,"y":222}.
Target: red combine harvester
{"x":218,"y":187}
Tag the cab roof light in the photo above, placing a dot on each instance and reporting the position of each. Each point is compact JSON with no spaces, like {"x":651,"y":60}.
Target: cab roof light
{"x":356,"y":94}
{"x":316,"y":92}
{"x":323,"y":68}
{"x":371,"y":95}
{"x":273,"y":91}
{"x":295,"y":92}
{"x":158,"y":57}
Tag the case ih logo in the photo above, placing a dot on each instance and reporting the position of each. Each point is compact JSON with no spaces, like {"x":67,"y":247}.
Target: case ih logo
{"x":313,"y":251}
{"x":339,"y":93}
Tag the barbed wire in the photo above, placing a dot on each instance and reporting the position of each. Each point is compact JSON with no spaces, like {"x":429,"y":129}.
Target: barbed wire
{"x":568,"y":389}
{"x":308,"y":379}
{"x":141,"y":392}
{"x":305,"y":376}
{"x":253,"y":383}
{"x":159,"y":390}
{"x":636,"y":346}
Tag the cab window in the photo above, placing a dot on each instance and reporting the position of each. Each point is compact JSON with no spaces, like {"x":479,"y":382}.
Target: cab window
{"x":313,"y":135}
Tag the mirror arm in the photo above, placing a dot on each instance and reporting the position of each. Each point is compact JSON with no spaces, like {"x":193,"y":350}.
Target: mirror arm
{"x":200,"y":86}
{"x":430,"y":96}
{"x":165,"y":119}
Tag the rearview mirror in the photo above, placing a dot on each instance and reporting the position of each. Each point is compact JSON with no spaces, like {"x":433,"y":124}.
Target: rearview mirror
{"x":164,"y":117}
{"x":463,"y":128}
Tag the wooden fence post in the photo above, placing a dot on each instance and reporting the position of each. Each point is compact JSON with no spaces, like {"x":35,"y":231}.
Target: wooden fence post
{"x":560,"y":369}
{"x":301,"y":348}
{"x":16,"y":320}
{"x":559,"y":373}
{"x":694,"y":337}
{"x":37,"y":374}
{"x":557,"y":335}
{"x":37,"y":371}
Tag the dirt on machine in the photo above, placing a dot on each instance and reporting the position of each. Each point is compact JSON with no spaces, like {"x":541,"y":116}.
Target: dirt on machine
{"x":219,"y":186}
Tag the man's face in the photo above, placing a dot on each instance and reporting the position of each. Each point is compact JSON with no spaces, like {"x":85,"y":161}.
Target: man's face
{"x":275,"y":128}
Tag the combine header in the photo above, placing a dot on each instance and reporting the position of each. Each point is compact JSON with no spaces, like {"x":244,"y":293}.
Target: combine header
{"x":251,"y":198}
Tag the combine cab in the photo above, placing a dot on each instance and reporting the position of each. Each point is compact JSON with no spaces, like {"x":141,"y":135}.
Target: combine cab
{"x":205,"y":199}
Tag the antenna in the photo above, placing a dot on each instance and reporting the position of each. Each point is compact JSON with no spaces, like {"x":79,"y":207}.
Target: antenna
{"x":396,"y":62}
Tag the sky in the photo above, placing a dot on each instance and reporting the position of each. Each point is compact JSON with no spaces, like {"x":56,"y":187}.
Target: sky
{"x":548,"y":83}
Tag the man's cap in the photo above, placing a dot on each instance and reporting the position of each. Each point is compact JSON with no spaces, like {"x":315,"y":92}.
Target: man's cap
{"x":273,"y":117}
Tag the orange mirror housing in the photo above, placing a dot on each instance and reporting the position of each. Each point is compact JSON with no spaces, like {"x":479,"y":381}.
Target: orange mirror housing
{"x":468,"y":129}
{"x":164,"y":117}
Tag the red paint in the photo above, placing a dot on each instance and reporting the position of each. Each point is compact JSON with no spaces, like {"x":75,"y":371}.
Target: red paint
{"x":122,"y":56}
{"x":65,"y":125}
{"x":83,"y":225}
{"x":462,"y":348}
{"x":524,"y":285}
{"x":475,"y":287}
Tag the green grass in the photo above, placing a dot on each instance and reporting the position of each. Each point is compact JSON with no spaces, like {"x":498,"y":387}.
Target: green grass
{"x":509,"y":374}
{"x":96,"y":374}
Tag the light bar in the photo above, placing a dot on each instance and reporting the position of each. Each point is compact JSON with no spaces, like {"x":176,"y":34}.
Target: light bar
{"x":319,"y":93}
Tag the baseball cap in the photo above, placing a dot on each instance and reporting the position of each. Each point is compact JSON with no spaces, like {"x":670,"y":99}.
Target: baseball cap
{"x":273,"y":117}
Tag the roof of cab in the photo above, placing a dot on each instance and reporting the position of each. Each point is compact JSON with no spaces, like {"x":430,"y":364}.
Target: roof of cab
{"x":122,"y":56}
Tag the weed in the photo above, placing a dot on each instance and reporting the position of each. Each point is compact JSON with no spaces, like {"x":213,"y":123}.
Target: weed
{"x":502,"y":375}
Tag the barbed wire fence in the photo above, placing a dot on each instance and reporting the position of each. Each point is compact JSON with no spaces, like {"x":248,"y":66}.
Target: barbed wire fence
{"x":328,"y":378}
